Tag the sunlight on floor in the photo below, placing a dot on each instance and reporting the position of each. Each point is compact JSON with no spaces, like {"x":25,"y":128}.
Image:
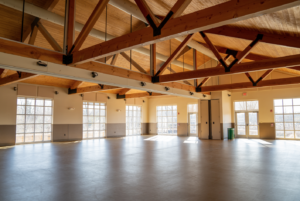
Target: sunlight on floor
{"x":7,"y":147}
{"x":261,"y":141}
{"x":192,"y":140}
{"x":161,"y":138}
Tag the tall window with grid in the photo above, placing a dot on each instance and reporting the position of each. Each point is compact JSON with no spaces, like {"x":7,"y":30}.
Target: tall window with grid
{"x":166,"y":117}
{"x":34,"y":120}
{"x":94,"y":119}
{"x":133,"y":120}
{"x":287,"y":118}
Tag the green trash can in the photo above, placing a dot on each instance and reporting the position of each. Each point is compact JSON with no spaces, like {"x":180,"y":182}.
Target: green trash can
{"x":230,"y":133}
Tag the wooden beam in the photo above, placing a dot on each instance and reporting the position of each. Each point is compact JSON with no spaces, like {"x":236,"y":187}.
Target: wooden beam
{"x":89,"y":24}
{"x":3,"y":72}
{"x":288,"y":61}
{"x":48,"y":37}
{"x":212,"y":17}
{"x":76,"y":84}
{"x":91,"y":89}
{"x":173,"y":71}
{"x":104,"y":60}
{"x":146,"y":11}
{"x":33,"y":35}
{"x":175,"y":54}
{"x":185,"y":50}
{"x":17,"y":77}
{"x":179,"y":7}
{"x":275,"y":39}
{"x":136,"y":65}
{"x":70,"y":29}
{"x":121,"y":72}
{"x":139,"y":95}
{"x":114,"y":60}
{"x":244,"y":85}
{"x":124,"y":91}
{"x":153,"y":59}
{"x":29,"y":51}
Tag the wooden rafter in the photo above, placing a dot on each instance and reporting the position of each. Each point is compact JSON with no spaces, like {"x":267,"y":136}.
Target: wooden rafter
{"x":91,"y":89}
{"x":135,"y":64}
{"x":185,"y":50}
{"x":288,"y":61}
{"x":157,"y":26}
{"x":124,"y":91}
{"x":48,"y":37}
{"x":76,"y":84}
{"x":114,"y":60}
{"x":89,"y":25}
{"x":139,"y":95}
{"x":246,"y":34}
{"x":70,"y":29}
{"x":33,"y":35}
{"x":243,"y":85}
{"x":29,"y":51}
{"x":175,"y":54}
{"x":221,"y":14}
{"x":173,"y":71}
{"x":17,"y":77}
{"x":3,"y":72}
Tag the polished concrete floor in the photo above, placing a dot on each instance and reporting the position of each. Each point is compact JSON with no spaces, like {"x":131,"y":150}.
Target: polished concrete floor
{"x":152,"y":168}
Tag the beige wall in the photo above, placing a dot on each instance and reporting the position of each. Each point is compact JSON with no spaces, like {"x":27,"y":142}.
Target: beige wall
{"x":265,"y":98}
{"x":63,"y":101}
{"x":181,"y":103}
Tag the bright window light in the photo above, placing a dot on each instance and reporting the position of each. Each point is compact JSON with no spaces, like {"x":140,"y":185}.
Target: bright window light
{"x":94,"y":119}
{"x":34,"y":120}
{"x":166,"y":117}
{"x":133,"y":120}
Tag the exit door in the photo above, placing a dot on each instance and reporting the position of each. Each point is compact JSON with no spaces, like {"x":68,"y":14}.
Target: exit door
{"x":193,"y":124}
{"x":247,"y":124}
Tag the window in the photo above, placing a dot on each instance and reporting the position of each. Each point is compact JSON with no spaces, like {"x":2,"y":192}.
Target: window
{"x":166,"y":119}
{"x":246,"y":106}
{"x":133,"y":120}
{"x":94,"y":119}
{"x":287,"y":118}
{"x":34,"y":120}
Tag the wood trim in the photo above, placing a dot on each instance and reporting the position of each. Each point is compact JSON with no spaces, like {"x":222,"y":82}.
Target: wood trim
{"x":124,"y":91}
{"x":275,"y":39}
{"x":33,"y":35}
{"x":221,"y":14}
{"x":76,"y":84}
{"x":16,"y":78}
{"x":89,"y":24}
{"x":135,"y":64}
{"x":29,"y":51}
{"x":175,"y":54}
{"x":89,"y":89}
{"x":48,"y":37}
{"x":243,"y":85}
{"x":288,"y":61}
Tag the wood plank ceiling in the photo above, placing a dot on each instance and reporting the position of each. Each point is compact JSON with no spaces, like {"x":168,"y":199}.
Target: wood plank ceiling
{"x":285,"y":22}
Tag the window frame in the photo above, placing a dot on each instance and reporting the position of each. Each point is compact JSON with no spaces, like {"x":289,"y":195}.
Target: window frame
{"x":34,"y":124}
{"x":283,"y":122}
{"x":167,"y":122}
{"x":128,"y":116}
{"x":105,"y":123}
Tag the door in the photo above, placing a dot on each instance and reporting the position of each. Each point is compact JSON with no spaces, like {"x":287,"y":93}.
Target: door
{"x":215,"y":120}
{"x":193,"y":124}
{"x":247,"y":124}
{"x":204,"y":113}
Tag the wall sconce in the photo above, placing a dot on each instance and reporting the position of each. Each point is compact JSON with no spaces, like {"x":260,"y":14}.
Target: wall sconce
{"x":71,"y":108}
{"x":15,"y":88}
{"x":108,"y":97}
{"x":229,"y":95}
{"x":56,"y":92}
{"x":144,"y":101}
{"x":81,"y":95}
